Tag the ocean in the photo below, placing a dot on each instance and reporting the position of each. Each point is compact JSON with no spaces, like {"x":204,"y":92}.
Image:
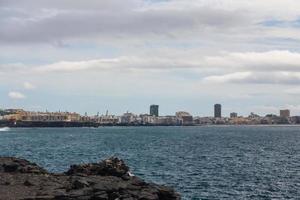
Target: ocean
{"x":207,"y":162}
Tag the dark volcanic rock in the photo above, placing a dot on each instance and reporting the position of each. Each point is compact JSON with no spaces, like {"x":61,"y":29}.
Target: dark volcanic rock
{"x":15,"y":165}
{"x":109,"y":167}
{"x":106,"y":180}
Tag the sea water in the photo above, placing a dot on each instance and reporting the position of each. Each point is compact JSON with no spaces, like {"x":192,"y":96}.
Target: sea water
{"x":209,"y":162}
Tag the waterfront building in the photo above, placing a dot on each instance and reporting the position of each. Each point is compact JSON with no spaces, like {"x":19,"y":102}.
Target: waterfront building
{"x":148,"y":119}
{"x":12,"y":117}
{"x":203,"y":120}
{"x":43,"y":116}
{"x":166,"y":121}
{"x":218,"y":120}
{"x":285,"y":113}
{"x":233,"y":115}
{"x":12,"y":114}
{"x":85,"y":119}
{"x":218,"y":110}
{"x":128,"y":118}
{"x":184,"y":118}
{"x":108,"y":119}
{"x":240,"y":121}
{"x":50,"y":116}
{"x":73,"y":117}
{"x":295,"y":120}
{"x":154,"y":110}
{"x":253,"y":115}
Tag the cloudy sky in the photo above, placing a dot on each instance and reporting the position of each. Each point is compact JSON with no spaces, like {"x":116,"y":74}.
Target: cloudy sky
{"x":119,"y":55}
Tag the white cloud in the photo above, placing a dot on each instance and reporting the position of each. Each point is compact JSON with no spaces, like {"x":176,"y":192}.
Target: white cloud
{"x":234,"y":77}
{"x":71,"y":66}
{"x":121,"y":63}
{"x":280,"y":67}
{"x":16,"y":95}
{"x":29,"y":86}
{"x":258,"y":61}
{"x":270,"y":67}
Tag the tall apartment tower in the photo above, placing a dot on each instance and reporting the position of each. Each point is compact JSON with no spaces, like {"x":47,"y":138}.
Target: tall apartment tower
{"x":285,"y":113}
{"x":154,"y":110}
{"x":218,"y":110}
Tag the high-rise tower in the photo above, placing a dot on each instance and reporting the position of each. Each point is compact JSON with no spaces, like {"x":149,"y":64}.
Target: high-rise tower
{"x":218,"y":110}
{"x":154,"y":110}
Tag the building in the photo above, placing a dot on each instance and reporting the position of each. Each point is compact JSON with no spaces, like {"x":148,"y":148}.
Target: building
{"x":233,"y":115}
{"x":295,"y":120}
{"x":253,"y":115}
{"x":154,"y":110}
{"x":148,"y":119}
{"x":166,"y":121}
{"x":285,"y":113}
{"x":128,"y":118}
{"x":28,"y":116}
{"x":50,"y":116}
{"x":218,"y":110}
{"x":108,"y":119}
{"x":240,"y":121}
{"x":203,"y":120}
{"x":184,"y":118}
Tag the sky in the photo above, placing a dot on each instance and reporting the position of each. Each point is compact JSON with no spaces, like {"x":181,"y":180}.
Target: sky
{"x":124,"y":55}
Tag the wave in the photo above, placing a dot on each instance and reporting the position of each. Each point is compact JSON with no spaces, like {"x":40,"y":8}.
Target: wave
{"x":4,"y":129}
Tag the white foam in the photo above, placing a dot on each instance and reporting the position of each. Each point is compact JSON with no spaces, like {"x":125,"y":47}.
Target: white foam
{"x":4,"y":129}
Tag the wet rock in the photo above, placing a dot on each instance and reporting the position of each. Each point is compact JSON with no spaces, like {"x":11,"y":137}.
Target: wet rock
{"x":110,"y":167}
{"x":10,"y":167}
{"x":166,"y":193}
{"x":14,"y":165}
{"x":107,"y":180}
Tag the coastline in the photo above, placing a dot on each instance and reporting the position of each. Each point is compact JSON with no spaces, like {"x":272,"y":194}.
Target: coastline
{"x":10,"y":124}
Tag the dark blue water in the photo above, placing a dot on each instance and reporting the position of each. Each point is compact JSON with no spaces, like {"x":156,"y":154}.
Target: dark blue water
{"x":199,"y":162}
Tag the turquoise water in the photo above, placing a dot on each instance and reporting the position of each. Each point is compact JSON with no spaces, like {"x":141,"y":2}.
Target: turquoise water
{"x":199,"y":162}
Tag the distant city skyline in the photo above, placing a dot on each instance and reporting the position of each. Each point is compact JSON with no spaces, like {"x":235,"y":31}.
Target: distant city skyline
{"x":92,"y":56}
{"x":23,"y":118}
{"x":154,"y":110}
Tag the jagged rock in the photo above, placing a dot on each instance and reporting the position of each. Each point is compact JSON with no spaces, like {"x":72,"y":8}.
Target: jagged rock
{"x":106,"y":180}
{"x":15,"y":165}
{"x":110,"y":167}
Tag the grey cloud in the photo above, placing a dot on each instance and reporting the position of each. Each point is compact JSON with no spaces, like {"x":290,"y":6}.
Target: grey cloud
{"x":69,"y":4}
{"x":55,"y":21}
{"x":12,"y":67}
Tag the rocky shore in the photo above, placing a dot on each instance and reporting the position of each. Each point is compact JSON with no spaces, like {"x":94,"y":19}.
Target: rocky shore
{"x":107,"y":180}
